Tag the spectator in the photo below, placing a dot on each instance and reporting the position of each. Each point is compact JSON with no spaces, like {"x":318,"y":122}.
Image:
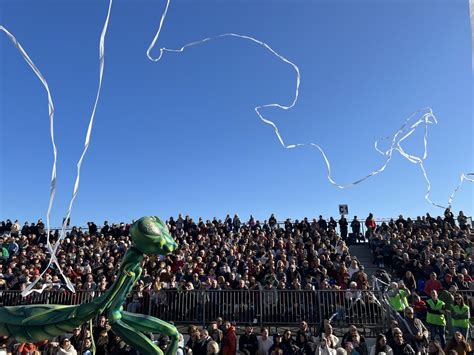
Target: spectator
{"x":229,"y":341}
{"x":66,"y":348}
{"x":333,"y":341}
{"x":215,"y":333}
{"x":370,"y":225}
{"x":324,"y":348}
{"x":415,"y":332}
{"x":409,"y":281}
{"x":398,"y":297}
{"x":400,"y":347}
{"x":435,"y":318}
{"x":459,"y":344}
{"x":343,"y":227}
{"x":351,"y":335}
{"x":288,"y":343}
{"x":102,"y":343}
{"x":432,"y":284}
{"x":434,"y":348}
{"x":419,"y":306}
{"x":304,"y":329}
{"x":212,"y":348}
{"x":205,"y":339}
{"x":248,"y":342}
{"x":76,"y":339}
{"x":87,"y":348}
{"x":355,"y":226}
{"x":277,"y":347}
{"x":460,"y":315}
{"x":381,"y":346}
{"x":264,"y":342}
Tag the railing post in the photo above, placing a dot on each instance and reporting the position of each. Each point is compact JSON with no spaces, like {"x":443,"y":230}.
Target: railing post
{"x":204,"y":305}
{"x":149,"y":303}
{"x":260,"y":301}
{"x":318,"y":303}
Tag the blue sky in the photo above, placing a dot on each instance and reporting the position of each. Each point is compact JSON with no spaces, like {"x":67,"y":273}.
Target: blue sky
{"x":181,"y":135}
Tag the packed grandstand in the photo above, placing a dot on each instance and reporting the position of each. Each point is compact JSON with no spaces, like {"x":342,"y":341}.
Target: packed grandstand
{"x":263,"y":277}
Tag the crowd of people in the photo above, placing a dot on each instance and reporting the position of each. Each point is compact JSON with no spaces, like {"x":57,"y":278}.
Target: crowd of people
{"x":431,"y":259}
{"x":220,"y":337}
{"x":219,"y":254}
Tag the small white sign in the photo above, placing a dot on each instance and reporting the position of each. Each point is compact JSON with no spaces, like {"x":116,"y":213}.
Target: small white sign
{"x":343,"y":209}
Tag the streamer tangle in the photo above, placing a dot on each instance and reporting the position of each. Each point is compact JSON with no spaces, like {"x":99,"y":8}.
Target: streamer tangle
{"x":427,"y":117}
{"x":52,"y":189}
{"x":53,"y":249}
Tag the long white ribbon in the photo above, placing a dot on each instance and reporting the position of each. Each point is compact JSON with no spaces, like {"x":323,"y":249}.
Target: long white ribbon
{"x":427,"y":118}
{"x":53,"y":250}
{"x":52,"y":190}
{"x":471,"y":16}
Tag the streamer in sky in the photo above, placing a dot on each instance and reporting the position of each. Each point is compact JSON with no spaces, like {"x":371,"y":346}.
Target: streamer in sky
{"x":426,"y":116}
{"x":53,"y":250}
{"x":471,"y":16}
{"x":52,"y":190}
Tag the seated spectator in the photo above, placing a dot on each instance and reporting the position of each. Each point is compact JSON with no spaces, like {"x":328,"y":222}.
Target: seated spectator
{"x":415,"y":332}
{"x":324,"y":348}
{"x":212,"y":348}
{"x":419,"y":306}
{"x":277,"y":347}
{"x":459,"y":344}
{"x":66,"y":348}
{"x":351,"y":335}
{"x":434,"y":348}
{"x":264,"y":342}
{"x":400,"y":347}
{"x":381,"y":346}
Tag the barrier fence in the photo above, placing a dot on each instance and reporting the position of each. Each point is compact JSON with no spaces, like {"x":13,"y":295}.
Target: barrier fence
{"x":260,"y":307}
{"x":367,"y":309}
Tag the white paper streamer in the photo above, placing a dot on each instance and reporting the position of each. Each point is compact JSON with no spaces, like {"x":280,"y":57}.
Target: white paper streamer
{"x":53,"y":251}
{"x":471,"y":16}
{"x":52,"y":190}
{"x":427,"y":117}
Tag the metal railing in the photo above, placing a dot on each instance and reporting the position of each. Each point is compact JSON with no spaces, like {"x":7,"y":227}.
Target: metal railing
{"x":260,"y":307}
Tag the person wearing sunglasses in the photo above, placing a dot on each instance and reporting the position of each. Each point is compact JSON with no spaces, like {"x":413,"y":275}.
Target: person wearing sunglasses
{"x":460,"y":316}
{"x":415,"y":332}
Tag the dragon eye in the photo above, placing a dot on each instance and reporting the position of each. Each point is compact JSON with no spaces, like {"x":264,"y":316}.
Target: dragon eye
{"x":151,"y":228}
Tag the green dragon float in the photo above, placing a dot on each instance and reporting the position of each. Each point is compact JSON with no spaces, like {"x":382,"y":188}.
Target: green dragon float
{"x":34,"y":323}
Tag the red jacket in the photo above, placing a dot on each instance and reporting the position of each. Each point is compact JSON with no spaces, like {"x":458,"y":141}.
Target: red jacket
{"x":431,"y":285}
{"x":229,"y":342}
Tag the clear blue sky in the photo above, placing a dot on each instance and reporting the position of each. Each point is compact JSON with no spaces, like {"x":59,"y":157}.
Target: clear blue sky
{"x":181,"y":135}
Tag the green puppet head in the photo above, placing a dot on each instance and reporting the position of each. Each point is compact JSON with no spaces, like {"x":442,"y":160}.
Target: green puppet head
{"x":151,"y":236}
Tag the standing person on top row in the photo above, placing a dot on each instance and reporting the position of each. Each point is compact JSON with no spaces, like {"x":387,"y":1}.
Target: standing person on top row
{"x":370,"y":225}
{"x":355,"y":226}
